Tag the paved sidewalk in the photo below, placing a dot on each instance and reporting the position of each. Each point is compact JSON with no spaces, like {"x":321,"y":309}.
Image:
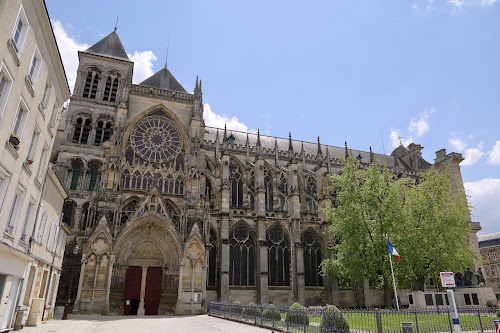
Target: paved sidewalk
{"x":126,"y":324}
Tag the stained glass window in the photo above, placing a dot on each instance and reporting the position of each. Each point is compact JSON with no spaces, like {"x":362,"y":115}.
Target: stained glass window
{"x":241,"y":257}
{"x":312,"y":259}
{"x":278,"y":248}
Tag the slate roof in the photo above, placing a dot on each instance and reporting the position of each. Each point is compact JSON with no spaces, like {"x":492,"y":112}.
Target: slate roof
{"x":310,"y":148}
{"x":489,"y":240}
{"x":163,"y":79}
{"x":109,"y":46}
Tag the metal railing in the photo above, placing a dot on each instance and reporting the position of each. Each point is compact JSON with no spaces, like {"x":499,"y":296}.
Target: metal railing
{"x":323,"y":319}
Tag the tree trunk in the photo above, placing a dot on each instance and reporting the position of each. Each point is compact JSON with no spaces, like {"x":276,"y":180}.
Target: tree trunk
{"x":387,"y":293}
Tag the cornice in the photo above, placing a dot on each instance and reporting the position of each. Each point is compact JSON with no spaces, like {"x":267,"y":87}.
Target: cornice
{"x":169,"y":95}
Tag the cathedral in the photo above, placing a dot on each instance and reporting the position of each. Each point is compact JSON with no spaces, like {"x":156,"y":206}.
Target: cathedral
{"x":170,"y":214}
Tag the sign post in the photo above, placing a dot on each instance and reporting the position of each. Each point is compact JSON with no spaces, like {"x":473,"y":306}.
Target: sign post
{"x":448,"y":281}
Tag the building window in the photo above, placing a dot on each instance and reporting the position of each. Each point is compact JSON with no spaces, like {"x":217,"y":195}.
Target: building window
{"x":312,"y":259}
{"x":103,"y":132}
{"x":5,"y":85}
{"x":312,"y":206}
{"x":20,"y":119}
{"x":27,"y":219}
{"x":34,"y":70}
{"x":53,"y":117}
{"x":110,"y":89}
{"x":43,"y":163}
{"x":493,"y":255}
{"x":32,"y":150}
{"x":40,"y":228}
{"x":283,"y":185}
{"x":127,"y":211}
{"x":91,"y":84}
{"x":283,"y":203}
{"x":236,"y":180}
{"x":45,"y":97}
{"x":51,"y":242}
{"x":212,"y":260}
{"x":83,"y":127}
{"x":268,"y":184}
{"x":311,"y":186}
{"x":496,"y":270}
{"x":85,"y":216}
{"x":77,"y":170}
{"x":68,"y":213}
{"x":241,"y":257}
{"x":4,"y":182}
{"x":20,"y":30}
{"x":278,"y":252}
{"x":17,"y":203}
{"x":94,"y":173}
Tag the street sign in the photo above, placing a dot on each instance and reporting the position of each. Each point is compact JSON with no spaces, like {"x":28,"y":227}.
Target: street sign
{"x":448,"y":279}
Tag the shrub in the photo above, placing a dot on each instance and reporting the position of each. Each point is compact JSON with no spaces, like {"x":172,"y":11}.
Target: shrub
{"x":334,"y":321}
{"x":272,"y":312}
{"x":251,"y":310}
{"x":236,"y":308}
{"x":297,"y":315}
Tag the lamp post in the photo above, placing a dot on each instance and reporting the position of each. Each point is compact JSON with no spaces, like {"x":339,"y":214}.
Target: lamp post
{"x":68,"y":295}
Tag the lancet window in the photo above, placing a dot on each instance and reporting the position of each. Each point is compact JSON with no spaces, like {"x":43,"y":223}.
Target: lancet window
{"x":103,"y":132}
{"x":75,"y":175}
{"x":83,"y":127}
{"x":236,"y":179}
{"x":85,"y":216}
{"x":278,"y":249}
{"x":91,"y":84}
{"x":283,"y":192}
{"x":110,"y":89}
{"x":69,"y":209}
{"x":212,"y":259}
{"x":94,"y":174}
{"x":312,"y":206}
{"x":312,"y":258}
{"x":311,"y":186}
{"x":268,"y":185}
{"x":241,"y":257}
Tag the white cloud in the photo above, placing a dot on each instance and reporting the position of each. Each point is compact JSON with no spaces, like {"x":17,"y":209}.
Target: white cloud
{"x":457,"y":144}
{"x":472,"y":155}
{"x":395,"y":135}
{"x":484,"y":196}
{"x":420,"y":126}
{"x":485,"y":3}
{"x":68,"y":47}
{"x":457,"y":4}
{"x":143,"y":65}
{"x":215,"y":120}
{"x":494,"y":154}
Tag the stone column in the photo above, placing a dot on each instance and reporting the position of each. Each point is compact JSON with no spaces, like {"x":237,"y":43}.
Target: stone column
{"x":108,"y":285}
{"x":300,"y":281}
{"x":224,"y":259}
{"x":178,"y":306}
{"x":76,"y":219}
{"x":76,"y":306}
{"x":141,"y":310}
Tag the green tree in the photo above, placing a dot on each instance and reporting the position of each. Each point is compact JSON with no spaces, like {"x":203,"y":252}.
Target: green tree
{"x":427,"y":223}
{"x":433,"y":234}
{"x":369,"y":204}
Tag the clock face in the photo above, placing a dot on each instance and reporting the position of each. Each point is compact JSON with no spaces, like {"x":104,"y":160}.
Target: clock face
{"x":156,"y":139}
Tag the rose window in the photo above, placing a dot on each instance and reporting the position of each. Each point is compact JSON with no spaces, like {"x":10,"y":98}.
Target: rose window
{"x":156,"y":139}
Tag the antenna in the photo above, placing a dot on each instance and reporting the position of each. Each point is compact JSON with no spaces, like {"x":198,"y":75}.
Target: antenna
{"x":168,"y":45}
{"x":381,"y":137}
{"x":116,"y":24}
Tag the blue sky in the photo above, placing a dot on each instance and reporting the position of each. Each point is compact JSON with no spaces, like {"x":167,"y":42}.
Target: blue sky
{"x":364,"y":72}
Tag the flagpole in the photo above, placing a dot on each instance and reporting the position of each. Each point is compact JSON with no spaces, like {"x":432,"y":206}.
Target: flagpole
{"x":393,"y":280}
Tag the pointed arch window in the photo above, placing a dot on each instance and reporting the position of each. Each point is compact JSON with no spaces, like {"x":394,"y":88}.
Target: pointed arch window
{"x":94,"y":174}
{"x":236,"y":179}
{"x":69,"y":209}
{"x":110,"y":88}
{"x":136,"y":180}
{"x":147,"y":181}
{"x":311,"y":186}
{"x":75,"y":177}
{"x":312,"y":259}
{"x":241,"y":257}
{"x":209,"y":193}
{"x":103,"y":132}
{"x":129,"y":156}
{"x":212,"y":260}
{"x":179,"y":185}
{"x":91,"y":84}
{"x":169,"y":184}
{"x":85,"y":216}
{"x":127,"y":211}
{"x":179,"y":162}
{"x":278,"y":254}
{"x":283,"y":203}
{"x":125,"y":180}
{"x":312,"y":206}
{"x":268,"y":184}
{"x":283,"y":184}
{"x":83,"y":126}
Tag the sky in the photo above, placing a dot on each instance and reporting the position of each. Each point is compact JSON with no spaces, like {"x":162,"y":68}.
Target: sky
{"x":365,"y":72}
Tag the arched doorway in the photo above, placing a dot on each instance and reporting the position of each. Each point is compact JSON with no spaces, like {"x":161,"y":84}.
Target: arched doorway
{"x":146,"y":274}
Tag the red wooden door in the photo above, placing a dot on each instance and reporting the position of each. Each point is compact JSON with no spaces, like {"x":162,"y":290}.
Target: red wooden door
{"x":132,"y":292}
{"x":153,"y":291}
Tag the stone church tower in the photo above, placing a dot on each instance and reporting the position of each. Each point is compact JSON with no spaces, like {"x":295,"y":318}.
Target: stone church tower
{"x":170,"y":213}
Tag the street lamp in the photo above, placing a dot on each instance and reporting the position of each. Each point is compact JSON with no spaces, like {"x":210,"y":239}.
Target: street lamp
{"x":68,"y":295}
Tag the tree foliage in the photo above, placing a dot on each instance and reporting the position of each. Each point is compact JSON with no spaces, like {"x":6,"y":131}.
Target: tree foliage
{"x":427,"y":223}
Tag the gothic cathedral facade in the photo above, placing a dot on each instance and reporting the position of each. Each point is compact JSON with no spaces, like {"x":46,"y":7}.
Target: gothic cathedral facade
{"x":170,"y":213}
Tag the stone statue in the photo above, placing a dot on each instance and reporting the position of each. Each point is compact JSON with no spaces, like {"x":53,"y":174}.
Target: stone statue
{"x":468,"y":277}
{"x":480,"y":277}
{"x":458,"y":279}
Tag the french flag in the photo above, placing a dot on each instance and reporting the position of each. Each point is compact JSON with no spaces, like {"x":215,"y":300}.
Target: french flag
{"x":392,"y":251}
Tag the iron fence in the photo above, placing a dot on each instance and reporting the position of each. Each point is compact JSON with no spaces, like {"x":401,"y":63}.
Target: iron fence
{"x":328,"y":319}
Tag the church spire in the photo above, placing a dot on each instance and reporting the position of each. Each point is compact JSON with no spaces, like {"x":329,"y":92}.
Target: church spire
{"x":224,"y":140}
{"x":320,"y":154}
{"x":291,"y":154}
{"x":198,"y":100}
{"x":258,"y":145}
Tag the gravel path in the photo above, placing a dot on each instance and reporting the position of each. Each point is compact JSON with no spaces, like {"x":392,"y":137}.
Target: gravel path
{"x":126,"y":324}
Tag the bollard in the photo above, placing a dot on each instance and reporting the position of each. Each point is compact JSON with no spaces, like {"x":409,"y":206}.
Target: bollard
{"x":406,"y":327}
